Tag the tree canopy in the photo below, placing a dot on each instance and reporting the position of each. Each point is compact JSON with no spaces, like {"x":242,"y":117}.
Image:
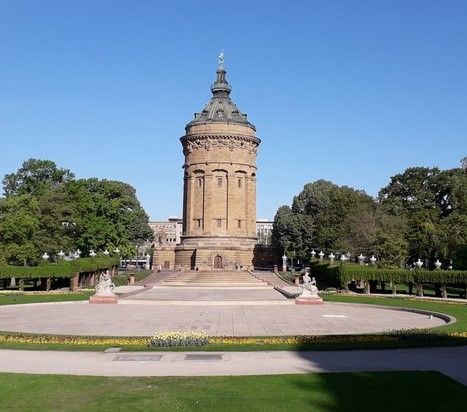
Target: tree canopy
{"x":45,"y":209}
{"x":421,"y":213}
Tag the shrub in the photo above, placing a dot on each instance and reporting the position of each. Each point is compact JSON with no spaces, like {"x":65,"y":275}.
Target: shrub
{"x":174,"y":339}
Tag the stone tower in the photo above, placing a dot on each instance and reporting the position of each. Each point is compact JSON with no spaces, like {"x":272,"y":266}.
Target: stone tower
{"x":219,"y":197}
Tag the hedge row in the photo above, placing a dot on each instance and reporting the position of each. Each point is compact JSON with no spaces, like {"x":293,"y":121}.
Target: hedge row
{"x":65,"y":269}
{"x":340,"y":274}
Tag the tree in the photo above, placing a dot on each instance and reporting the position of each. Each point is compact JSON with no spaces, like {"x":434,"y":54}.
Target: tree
{"x":46,"y":209}
{"x":434,"y":204}
{"x":107,"y":214}
{"x":337,"y":213}
{"x":35,"y":177}
{"x":18,"y":228}
{"x":326,"y":216}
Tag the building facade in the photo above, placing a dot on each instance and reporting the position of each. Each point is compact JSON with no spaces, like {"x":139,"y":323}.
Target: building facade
{"x":167,"y":232}
{"x":219,"y":196}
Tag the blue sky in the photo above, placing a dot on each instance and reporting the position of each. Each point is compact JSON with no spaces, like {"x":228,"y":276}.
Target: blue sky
{"x":349,"y":91}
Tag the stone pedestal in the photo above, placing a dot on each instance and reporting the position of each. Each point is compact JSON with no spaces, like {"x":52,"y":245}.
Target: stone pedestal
{"x":103,"y":299}
{"x":309,"y":301}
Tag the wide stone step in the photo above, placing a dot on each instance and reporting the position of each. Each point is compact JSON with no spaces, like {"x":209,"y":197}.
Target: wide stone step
{"x":212,"y":279}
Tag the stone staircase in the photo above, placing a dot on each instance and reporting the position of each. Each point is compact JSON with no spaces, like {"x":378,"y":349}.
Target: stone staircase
{"x":220,"y":278}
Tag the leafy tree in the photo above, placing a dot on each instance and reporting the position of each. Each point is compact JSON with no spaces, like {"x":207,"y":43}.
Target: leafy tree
{"x":35,"y":177}
{"x":19,"y":224}
{"x":326,"y":216}
{"x":107,"y":214}
{"x":434,"y":204}
{"x":46,"y":209}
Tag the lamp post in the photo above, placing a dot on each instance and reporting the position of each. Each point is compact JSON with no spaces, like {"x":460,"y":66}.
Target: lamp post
{"x":361,"y":259}
{"x":148,"y":257}
{"x":284,"y":263}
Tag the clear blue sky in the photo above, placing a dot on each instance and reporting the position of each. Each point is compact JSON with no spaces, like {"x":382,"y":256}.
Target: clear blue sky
{"x":349,"y":91}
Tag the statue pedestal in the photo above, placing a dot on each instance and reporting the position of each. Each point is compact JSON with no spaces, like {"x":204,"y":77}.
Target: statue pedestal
{"x":103,"y":300}
{"x":309,"y":301}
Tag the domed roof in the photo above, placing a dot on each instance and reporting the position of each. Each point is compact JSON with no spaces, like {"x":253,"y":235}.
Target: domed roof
{"x":221,"y":108}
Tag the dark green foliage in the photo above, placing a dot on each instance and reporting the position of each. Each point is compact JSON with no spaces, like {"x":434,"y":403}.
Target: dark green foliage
{"x":434,"y":204}
{"x":339,"y":275}
{"x":34,"y":177}
{"x":421,"y":213}
{"x":47,"y":210}
{"x":63,"y":269}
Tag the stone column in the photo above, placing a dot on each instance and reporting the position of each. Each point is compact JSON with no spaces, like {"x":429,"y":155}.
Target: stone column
{"x":231,"y":224}
{"x":188,"y":204}
{"x":252,"y":207}
{"x":207,"y":209}
{"x":444,"y":292}
{"x":74,"y":282}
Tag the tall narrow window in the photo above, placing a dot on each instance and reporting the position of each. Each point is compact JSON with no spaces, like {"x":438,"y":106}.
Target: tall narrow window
{"x":239,"y":223}
{"x":239,"y":182}
{"x":219,"y":222}
{"x":219,"y":181}
{"x":200,"y":182}
{"x":198,"y":223}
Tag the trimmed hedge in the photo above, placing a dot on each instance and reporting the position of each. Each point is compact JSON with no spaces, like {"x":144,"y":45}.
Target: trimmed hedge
{"x":340,"y":274}
{"x":65,"y":269}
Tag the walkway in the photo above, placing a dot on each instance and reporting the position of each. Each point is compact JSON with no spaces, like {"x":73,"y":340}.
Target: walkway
{"x":133,"y":317}
{"x":449,"y":361}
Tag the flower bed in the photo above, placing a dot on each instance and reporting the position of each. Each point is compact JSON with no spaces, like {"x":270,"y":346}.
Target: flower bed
{"x":199,"y":339}
{"x":177,"y":339}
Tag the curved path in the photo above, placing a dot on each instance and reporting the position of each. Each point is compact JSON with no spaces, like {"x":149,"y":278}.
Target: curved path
{"x":144,"y":317}
{"x":449,"y":361}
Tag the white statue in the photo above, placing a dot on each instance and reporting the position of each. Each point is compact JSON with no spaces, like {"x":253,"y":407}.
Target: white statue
{"x":105,"y":287}
{"x":308,"y":289}
{"x":221,"y":60}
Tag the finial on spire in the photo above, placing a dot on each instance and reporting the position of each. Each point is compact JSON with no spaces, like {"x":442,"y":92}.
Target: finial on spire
{"x":220,"y":59}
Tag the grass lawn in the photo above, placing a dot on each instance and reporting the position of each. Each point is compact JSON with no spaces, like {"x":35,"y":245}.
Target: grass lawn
{"x":383,"y":391}
{"x":458,"y":310}
{"x":12,"y":299}
{"x":121,"y":279}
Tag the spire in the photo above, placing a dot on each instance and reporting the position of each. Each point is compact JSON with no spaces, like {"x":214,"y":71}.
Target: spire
{"x":221,"y":87}
{"x":220,"y":109}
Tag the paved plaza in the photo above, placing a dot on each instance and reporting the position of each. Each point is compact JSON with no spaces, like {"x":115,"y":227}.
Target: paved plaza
{"x":142,"y":318}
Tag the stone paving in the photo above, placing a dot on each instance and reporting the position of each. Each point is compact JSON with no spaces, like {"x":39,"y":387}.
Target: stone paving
{"x":194,"y":294}
{"x":132,"y":319}
{"x":444,"y":360}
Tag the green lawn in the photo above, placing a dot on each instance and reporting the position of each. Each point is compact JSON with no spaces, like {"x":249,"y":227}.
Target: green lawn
{"x":458,"y":310}
{"x":121,"y":279}
{"x":384,"y":391}
{"x":12,"y":299}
